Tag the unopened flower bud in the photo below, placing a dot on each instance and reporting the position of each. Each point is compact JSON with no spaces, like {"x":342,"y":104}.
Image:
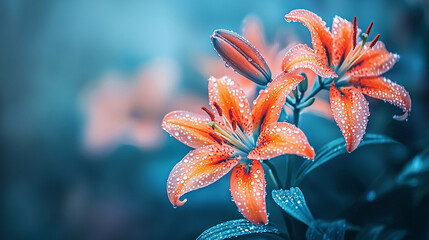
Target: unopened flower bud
{"x":303,"y":85}
{"x":242,"y":56}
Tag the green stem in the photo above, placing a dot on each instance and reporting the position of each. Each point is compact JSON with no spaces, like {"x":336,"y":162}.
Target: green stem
{"x":296,"y":113}
{"x":273,"y":174}
{"x":276,"y":180}
{"x":316,"y":89}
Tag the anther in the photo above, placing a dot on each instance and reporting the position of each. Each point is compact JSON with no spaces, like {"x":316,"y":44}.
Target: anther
{"x":369,"y":28}
{"x":211,"y":115}
{"x":354,"y":31}
{"x":233,"y":121}
{"x":216,"y":138}
{"x":218,"y":109}
{"x":233,"y":124}
{"x":373,"y":42}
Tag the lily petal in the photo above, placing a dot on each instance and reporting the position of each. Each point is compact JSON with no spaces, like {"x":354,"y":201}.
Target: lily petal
{"x":301,"y":56}
{"x":199,"y":168}
{"x":320,"y":36}
{"x":281,"y":138}
{"x":373,"y":62}
{"x":229,"y":96}
{"x":269,"y":104}
{"x":386,"y":90}
{"x":248,"y":191}
{"x":342,"y":34}
{"x":350,"y":110}
{"x":189,"y":128}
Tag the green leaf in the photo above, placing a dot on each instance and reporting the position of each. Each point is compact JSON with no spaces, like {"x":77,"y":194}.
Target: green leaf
{"x":380,"y":233}
{"x":235,"y":228}
{"x":415,"y":172}
{"x":293,"y":202}
{"x":323,"y":230}
{"x":336,"y":148}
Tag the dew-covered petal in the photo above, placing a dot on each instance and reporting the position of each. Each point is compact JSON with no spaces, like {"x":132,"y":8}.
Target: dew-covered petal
{"x":248,"y":191}
{"x":228,"y":95}
{"x":281,"y":138}
{"x":373,"y":61}
{"x":342,"y":34}
{"x":269,"y":104}
{"x":386,"y":90}
{"x":189,"y":128}
{"x":350,"y":110}
{"x":320,"y":36}
{"x":199,"y":168}
{"x":241,"y":55}
{"x":301,"y":56}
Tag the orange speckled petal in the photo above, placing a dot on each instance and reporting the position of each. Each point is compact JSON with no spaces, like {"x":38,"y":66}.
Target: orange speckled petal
{"x":248,"y":191}
{"x":301,"y":56}
{"x":373,"y":62}
{"x":351,"y":113}
{"x":201,"y":167}
{"x":228,"y":95}
{"x":281,"y":138}
{"x":342,"y":34}
{"x":384,"y":89}
{"x":320,"y":36}
{"x":269,"y":104}
{"x":189,"y":128}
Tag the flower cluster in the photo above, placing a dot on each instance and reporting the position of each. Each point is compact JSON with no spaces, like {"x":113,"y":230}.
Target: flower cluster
{"x":232,"y":136}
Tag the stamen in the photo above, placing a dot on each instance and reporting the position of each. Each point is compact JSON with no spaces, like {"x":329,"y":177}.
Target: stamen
{"x":228,"y":137}
{"x":233,"y":121}
{"x":369,"y":28}
{"x":373,"y":42}
{"x":218,"y":109}
{"x":230,"y":113}
{"x":216,"y":138}
{"x":211,"y":115}
{"x":234,"y":124}
{"x":354,"y":31}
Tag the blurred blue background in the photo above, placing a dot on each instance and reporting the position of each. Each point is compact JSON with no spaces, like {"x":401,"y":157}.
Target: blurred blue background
{"x":65,"y":177}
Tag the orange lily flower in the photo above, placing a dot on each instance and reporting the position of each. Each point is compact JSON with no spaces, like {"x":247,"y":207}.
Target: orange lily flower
{"x":354,"y":66}
{"x":236,"y":139}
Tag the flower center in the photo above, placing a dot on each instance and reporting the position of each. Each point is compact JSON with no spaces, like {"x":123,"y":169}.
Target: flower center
{"x":356,"y":53}
{"x":230,"y":132}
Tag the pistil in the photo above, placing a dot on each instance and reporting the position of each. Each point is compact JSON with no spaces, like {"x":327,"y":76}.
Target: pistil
{"x":355,"y":54}
{"x":231,"y":132}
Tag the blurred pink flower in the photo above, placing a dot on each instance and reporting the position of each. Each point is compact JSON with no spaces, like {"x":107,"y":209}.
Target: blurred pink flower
{"x":129,"y":111}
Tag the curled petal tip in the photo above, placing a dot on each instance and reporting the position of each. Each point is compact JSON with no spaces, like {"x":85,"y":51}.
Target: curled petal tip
{"x":401,"y":117}
{"x":241,"y":55}
{"x":179,"y":203}
{"x":310,"y":153}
